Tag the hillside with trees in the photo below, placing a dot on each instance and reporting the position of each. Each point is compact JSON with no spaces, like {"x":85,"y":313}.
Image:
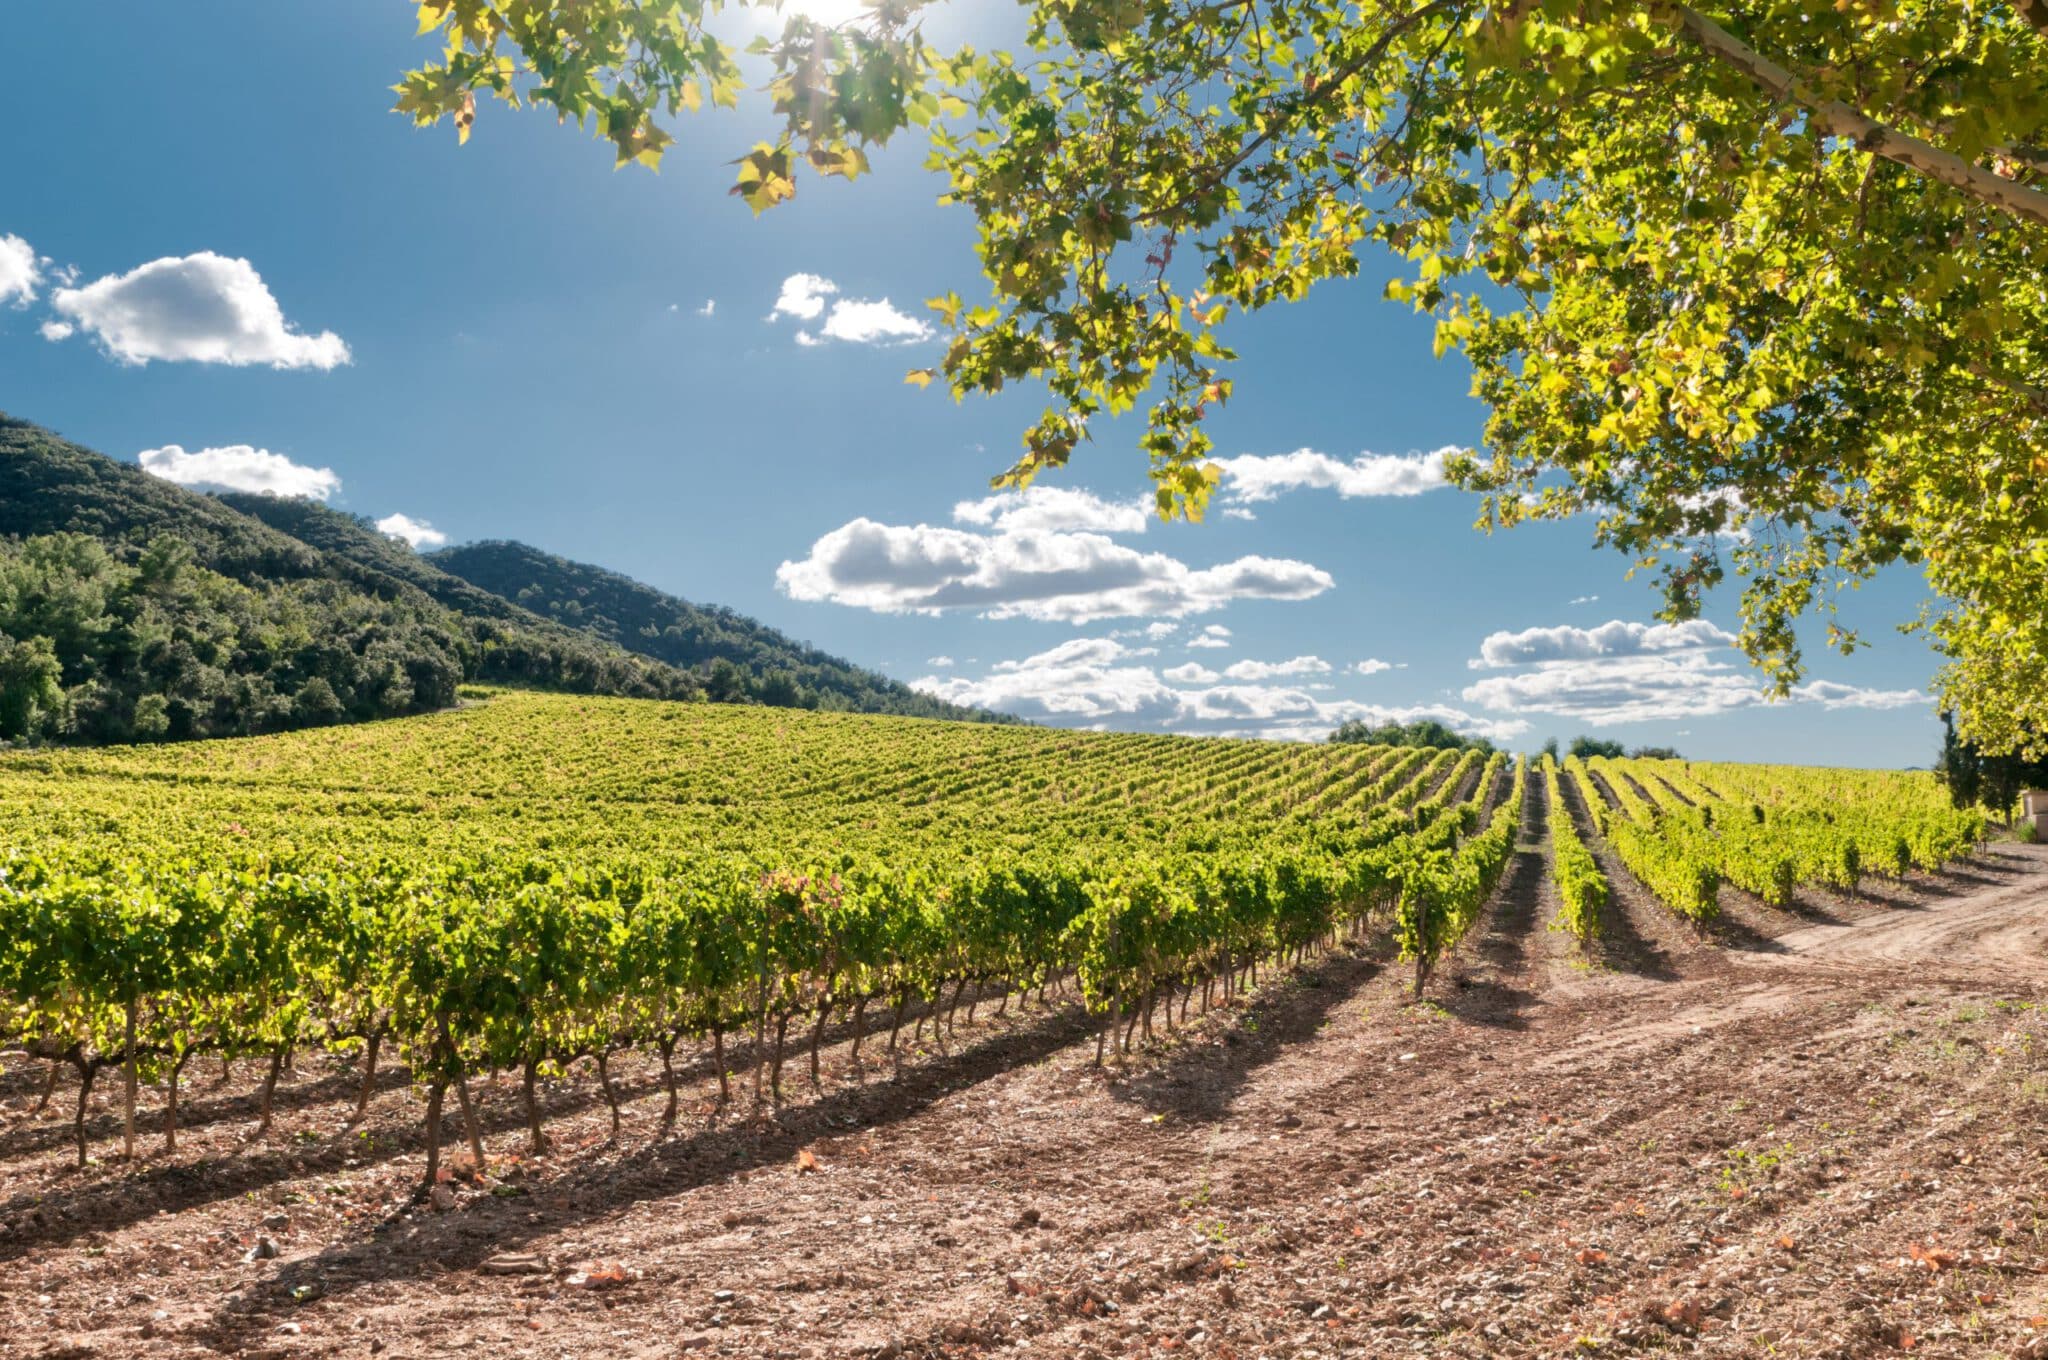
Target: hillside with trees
{"x":737,"y":658}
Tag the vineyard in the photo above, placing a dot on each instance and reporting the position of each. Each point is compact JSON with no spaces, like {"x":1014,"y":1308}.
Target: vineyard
{"x":536,"y":880}
{"x":532,"y":886}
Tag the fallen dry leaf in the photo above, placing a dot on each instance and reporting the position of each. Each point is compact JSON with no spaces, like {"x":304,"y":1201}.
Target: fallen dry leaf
{"x":1591,"y":1256}
{"x":805,"y":1161}
{"x":1685,"y":1313}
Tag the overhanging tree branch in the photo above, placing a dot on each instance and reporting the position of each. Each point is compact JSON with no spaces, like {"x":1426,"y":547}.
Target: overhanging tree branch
{"x":2036,"y":12}
{"x":1834,"y":117}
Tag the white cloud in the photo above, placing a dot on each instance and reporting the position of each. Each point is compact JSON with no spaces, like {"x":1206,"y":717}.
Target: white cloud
{"x":416,"y":532}
{"x":710,"y":307}
{"x":857,"y":321}
{"x":1268,"y":670}
{"x":1077,"y":652}
{"x":238,"y":467}
{"x":944,"y":663}
{"x":56,"y":330}
{"x":1215,"y":635}
{"x":1372,"y":665}
{"x":1831,"y":695}
{"x":1254,"y":477}
{"x":873,"y":323}
{"x":1087,"y":682}
{"x":1035,"y":574}
{"x":205,"y":308}
{"x":1614,"y":638}
{"x":1632,"y":672}
{"x":1238,"y":512}
{"x":803,"y":297}
{"x":1585,"y":599}
{"x":1621,"y":689}
{"x":20,"y":271}
{"x":1068,"y":685}
{"x":1054,"y":508}
{"x":1162,"y":629}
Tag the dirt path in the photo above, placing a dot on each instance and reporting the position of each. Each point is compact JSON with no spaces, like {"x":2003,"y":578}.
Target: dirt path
{"x":1819,"y":1143}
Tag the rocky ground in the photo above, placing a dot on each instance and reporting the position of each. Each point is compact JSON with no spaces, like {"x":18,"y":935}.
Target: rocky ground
{"x":1818,"y":1133}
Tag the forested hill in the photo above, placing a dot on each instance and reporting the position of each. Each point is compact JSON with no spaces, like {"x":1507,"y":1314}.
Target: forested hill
{"x":131,"y":608}
{"x":738,"y":657}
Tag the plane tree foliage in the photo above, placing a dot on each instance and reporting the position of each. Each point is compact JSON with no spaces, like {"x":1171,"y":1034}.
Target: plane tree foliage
{"x":1758,"y":288}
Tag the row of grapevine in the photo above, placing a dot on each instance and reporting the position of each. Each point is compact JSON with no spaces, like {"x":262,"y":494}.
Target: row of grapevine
{"x":1442,"y":889}
{"x":1580,"y":884}
{"x":1668,"y":856}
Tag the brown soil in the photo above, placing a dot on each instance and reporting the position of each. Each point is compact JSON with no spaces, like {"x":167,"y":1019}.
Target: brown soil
{"x":1817,"y":1135}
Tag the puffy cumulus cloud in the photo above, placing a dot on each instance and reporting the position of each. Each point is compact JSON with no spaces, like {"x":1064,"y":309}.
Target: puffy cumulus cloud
{"x":54,"y":331}
{"x":1267,"y":670}
{"x":1238,"y":512}
{"x":1621,"y":689}
{"x":1074,"y":684}
{"x":1256,"y":477}
{"x":1091,"y":682}
{"x":1631,"y":672}
{"x":1372,"y":665}
{"x":1056,"y":576}
{"x":203,"y":308}
{"x":1295,"y":714}
{"x":1614,"y":638}
{"x":238,"y":467}
{"x":1215,"y":635}
{"x":1830,"y":694}
{"x":1077,"y":652}
{"x":20,"y":271}
{"x":872,"y":323}
{"x":1160,"y":630}
{"x":942,"y":663}
{"x":1054,"y":508}
{"x":858,"y":321}
{"x":803,"y":297}
{"x":416,"y":532}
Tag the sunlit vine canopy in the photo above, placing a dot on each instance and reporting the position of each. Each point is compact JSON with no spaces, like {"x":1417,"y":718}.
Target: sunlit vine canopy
{"x":1759,"y":288}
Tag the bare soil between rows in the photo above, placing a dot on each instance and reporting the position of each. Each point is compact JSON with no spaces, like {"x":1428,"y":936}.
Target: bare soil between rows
{"x":1817,"y":1133}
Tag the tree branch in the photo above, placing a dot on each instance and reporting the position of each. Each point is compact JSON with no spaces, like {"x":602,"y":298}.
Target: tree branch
{"x":2037,"y":13}
{"x":1322,"y":91}
{"x":1834,"y":117}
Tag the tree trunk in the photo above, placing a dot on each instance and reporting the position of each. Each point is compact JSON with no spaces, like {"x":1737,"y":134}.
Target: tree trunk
{"x":471,"y":1128}
{"x":604,"y":1079}
{"x":775,"y":1067}
{"x":171,"y":1104}
{"x":718,"y":1056}
{"x":269,"y":1090}
{"x":860,"y":1005}
{"x":368,"y":1087}
{"x":818,"y":1036}
{"x":536,"y":1141}
{"x":667,"y":1044}
{"x":434,"y":1094}
{"x":87,"y":1069}
{"x":49,"y":1086}
{"x":128,"y":1061}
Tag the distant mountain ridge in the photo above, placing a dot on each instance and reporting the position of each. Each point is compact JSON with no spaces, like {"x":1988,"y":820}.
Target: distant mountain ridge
{"x":132,"y":608}
{"x":736,"y":656}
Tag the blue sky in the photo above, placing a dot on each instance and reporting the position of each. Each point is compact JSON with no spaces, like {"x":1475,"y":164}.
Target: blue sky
{"x":511,"y":340}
